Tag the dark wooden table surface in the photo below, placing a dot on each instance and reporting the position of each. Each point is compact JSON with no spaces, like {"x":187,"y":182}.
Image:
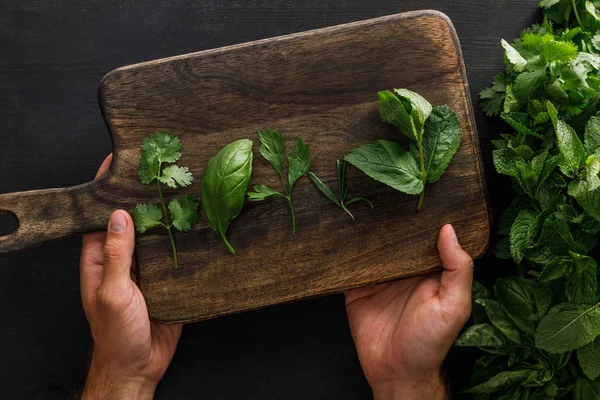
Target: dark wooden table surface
{"x":52,"y":56}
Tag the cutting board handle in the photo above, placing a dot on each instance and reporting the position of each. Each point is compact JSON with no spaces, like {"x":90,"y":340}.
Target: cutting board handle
{"x":46,"y":215}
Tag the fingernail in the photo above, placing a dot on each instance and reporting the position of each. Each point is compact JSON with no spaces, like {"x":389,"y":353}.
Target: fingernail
{"x":117,"y":223}
{"x":453,"y":235}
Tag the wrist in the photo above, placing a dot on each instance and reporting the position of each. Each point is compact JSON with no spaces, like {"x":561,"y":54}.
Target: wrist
{"x":430,"y":388}
{"x":102,"y":384}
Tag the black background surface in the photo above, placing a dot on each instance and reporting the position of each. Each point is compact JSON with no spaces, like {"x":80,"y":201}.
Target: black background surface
{"x":53,"y":54}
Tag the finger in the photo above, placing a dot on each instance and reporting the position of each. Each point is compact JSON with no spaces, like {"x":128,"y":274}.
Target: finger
{"x":457,"y":277}
{"x":118,"y":250}
{"x":105,"y":166}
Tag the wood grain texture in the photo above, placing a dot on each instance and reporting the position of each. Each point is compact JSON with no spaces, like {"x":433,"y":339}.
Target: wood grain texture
{"x":320,"y":85}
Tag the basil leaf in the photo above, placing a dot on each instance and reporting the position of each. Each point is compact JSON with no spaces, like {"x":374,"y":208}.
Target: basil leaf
{"x":502,"y":380}
{"x":568,"y":327}
{"x":499,"y":319}
{"x":389,"y":163}
{"x":224,"y":185}
{"x":516,"y":295}
{"x":487,"y":337}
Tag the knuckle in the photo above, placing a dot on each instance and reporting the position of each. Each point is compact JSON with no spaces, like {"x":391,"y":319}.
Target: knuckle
{"x":113,"y":250}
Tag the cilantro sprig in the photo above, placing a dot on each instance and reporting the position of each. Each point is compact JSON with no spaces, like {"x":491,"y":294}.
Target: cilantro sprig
{"x":160,"y":152}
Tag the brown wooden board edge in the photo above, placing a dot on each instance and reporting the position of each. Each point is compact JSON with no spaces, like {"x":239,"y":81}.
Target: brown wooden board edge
{"x":407,"y":15}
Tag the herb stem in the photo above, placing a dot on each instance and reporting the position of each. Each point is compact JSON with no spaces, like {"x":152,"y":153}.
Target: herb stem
{"x":166,"y":216}
{"x":577,"y":13}
{"x":423,"y":175}
{"x":229,"y":246}
{"x":289,"y":197}
{"x":347,"y":211}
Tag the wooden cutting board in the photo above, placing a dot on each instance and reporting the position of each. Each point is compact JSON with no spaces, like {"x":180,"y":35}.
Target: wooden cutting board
{"x":320,"y":85}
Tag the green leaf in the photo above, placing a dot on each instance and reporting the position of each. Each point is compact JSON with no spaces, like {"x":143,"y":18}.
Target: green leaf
{"x":441,"y":139}
{"x":511,"y":104}
{"x":340,"y":166}
{"x":556,"y":269}
{"x":586,"y":196}
{"x":184,"y":212}
{"x":272,"y":148}
{"x":298,"y":162}
{"x":513,"y":56}
{"x":148,"y":170}
{"x":419,"y":108}
{"x":519,"y":234}
{"x":555,"y":240}
{"x":491,"y":98}
{"x":506,"y":161}
{"x":262,"y":192}
{"x":591,"y":8}
{"x":586,"y":390}
{"x":511,"y":213}
{"x":543,"y":299}
{"x":573,"y":154}
{"x":146,"y":216}
{"x":389,"y":163}
{"x":174,"y":175}
{"x":479,"y":292}
{"x":502,"y":249}
{"x":323,"y":188}
{"x":589,"y":359}
{"x":486,"y":337}
{"x":516,"y":295}
{"x":502,"y":380}
{"x":224,"y":186}
{"x":162,"y":146}
{"x":527,"y":82}
{"x":596,"y":41}
{"x":581,"y":288}
{"x":568,"y":327}
{"x":592,"y":134}
{"x":394,"y":112}
{"x":548,"y":3}
{"x":499,"y":319}
{"x":519,"y":122}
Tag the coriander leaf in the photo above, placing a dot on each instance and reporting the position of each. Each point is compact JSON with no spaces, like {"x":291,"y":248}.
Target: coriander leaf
{"x":513,"y":56}
{"x":502,"y":380}
{"x":548,"y":3}
{"x":553,"y":50}
{"x":596,"y":41}
{"x":420,"y":108}
{"x":441,"y":138}
{"x":491,"y":99}
{"x":162,"y":146}
{"x":589,"y":358}
{"x":224,"y":186}
{"x":262,"y":192}
{"x":148,"y":170}
{"x":272,"y":148}
{"x":568,"y":327}
{"x":516,"y":295}
{"x":389,"y":163}
{"x":592,"y":134}
{"x":184,"y":212}
{"x":591,"y":8}
{"x":146,"y":216}
{"x":527,"y":82}
{"x":298,"y":162}
{"x":394,"y":112}
{"x":174,"y":175}
{"x":519,"y":234}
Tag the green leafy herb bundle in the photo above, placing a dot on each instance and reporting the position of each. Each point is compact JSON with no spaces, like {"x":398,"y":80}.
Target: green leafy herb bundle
{"x":541,"y":330}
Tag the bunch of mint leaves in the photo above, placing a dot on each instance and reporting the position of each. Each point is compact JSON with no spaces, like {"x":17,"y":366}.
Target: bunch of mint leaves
{"x":541,"y":329}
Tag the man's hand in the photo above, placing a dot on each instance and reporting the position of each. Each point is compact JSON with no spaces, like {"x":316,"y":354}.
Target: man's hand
{"x":403,"y":330}
{"x":131,"y":354}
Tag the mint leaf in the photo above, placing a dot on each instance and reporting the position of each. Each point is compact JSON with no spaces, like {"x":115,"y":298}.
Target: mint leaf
{"x":527,"y":82}
{"x":394,"y":112}
{"x":506,"y":161}
{"x":272,"y":148}
{"x":592,"y":134}
{"x":581,"y":288}
{"x":589,"y":359}
{"x":146,"y":216}
{"x":262,"y":192}
{"x":519,"y":234}
{"x":389,"y":163}
{"x":556,"y":269}
{"x":174,"y":176}
{"x":418,"y":107}
{"x":568,"y":327}
{"x":573,"y":154}
{"x":519,"y":122}
{"x":441,"y":138}
{"x":513,"y":56}
{"x":298,"y":162}
{"x":555,"y":240}
{"x":586,"y":196}
{"x":184,"y":212}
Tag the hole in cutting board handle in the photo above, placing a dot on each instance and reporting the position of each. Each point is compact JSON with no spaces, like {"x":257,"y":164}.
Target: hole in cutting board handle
{"x":8,"y":222}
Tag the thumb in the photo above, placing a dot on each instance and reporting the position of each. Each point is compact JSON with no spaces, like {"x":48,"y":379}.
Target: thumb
{"x":118,"y":249}
{"x":457,"y":277}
